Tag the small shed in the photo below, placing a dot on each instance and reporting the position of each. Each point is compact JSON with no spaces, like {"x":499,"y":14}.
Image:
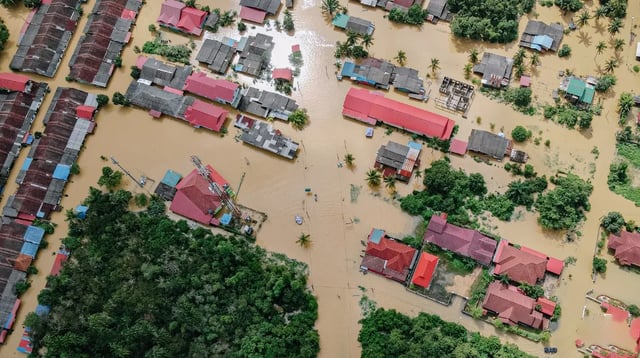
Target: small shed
{"x":171,"y":178}
{"x":282,"y":74}
{"x":458,"y":147}
{"x":525,"y":81}
{"x":81,"y":211}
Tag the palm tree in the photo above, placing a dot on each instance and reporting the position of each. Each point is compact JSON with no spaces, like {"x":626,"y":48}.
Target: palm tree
{"x":304,"y":240}
{"x":583,"y":18}
{"x":418,"y":174}
{"x":352,"y":38}
{"x":401,"y":58}
{"x":373,"y":177}
{"x":610,"y":65}
{"x":367,"y":40}
{"x":624,"y":104}
{"x":519,"y":70}
{"x":349,"y":159}
{"x":600,"y":47}
{"x":473,"y":56}
{"x":435,"y":65}
{"x":618,"y":44}
{"x":519,"y":57}
{"x":614,"y":26}
{"x":467,"y":70}
{"x":599,"y":13}
{"x":390,"y":182}
{"x":330,"y":6}
{"x":535,"y":59}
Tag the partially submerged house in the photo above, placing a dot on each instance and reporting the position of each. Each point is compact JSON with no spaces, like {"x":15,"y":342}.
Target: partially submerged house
{"x":397,"y":160}
{"x":438,"y":10}
{"x":387,"y":257}
{"x":162,"y":74}
{"x":424,"y":271}
{"x":255,"y":54}
{"x":178,"y":16}
{"x":381,"y":74}
{"x":542,"y":37}
{"x":513,"y":307}
{"x":195,"y":201}
{"x":282,"y":74}
{"x":626,"y":248}
{"x":495,"y":70}
{"x":45,"y":37}
{"x":106,"y":33}
{"x":267,"y":104}
{"x":257,"y":10}
{"x":524,"y":265}
{"x":391,"y":4}
{"x":490,"y":144}
{"x":262,"y":135}
{"x":371,"y":108}
{"x":221,"y":91}
{"x":462,"y":241}
{"x":217,"y":55}
{"x":578,"y":91}
{"x":354,"y":24}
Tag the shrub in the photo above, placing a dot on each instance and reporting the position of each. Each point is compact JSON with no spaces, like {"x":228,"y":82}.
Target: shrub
{"x":613,"y":222}
{"x":102,"y":100}
{"x":564,"y":51}
{"x":242,"y":27}
{"x":520,"y":134}
{"x":605,"y":82}
{"x":599,"y":265}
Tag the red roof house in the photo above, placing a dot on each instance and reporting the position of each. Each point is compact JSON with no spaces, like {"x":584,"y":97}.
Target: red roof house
{"x":465,"y":242}
{"x":253,"y":15}
{"x":192,"y":20}
{"x":363,"y":105}
{"x":546,"y":306}
{"x":626,"y":247}
{"x":222,"y":91}
{"x":284,"y":74}
{"x":205,"y":115}
{"x":519,"y":265}
{"x":425,"y":269}
{"x":170,"y":12}
{"x":388,"y":257}
{"x":193,"y":198}
{"x":458,"y":147}
{"x":13,"y":81}
{"x":61,"y":258}
{"x":85,"y":112}
{"x":512,"y":307}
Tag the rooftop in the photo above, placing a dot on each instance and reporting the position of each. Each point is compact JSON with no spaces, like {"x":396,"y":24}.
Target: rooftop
{"x":488,"y":143}
{"x":513,"y":307}
{"x":388,"y":257}
{"x":214,"y":89}
{"x":495,"y":70}
{"x":542,"y":37}
{"x":262,"y":135}
{"x":269,"y":6}
{"x":216,"y":54}
{"x":519,"y":265}
{"x":425,"y":269}
{"x":194,"y":200}
{"x":626,"y":247}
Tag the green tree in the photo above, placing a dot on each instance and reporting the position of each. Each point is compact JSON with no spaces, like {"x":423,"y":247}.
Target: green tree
{"x":634,"y":310}
{"x":618,"y":45}
{"x":467,"y":70}
{"x":4,"y":34}
{"x":535,"y":59}
{"x":605,"y":82}
{"x":299,"y":118}
{"x":599,"y":265}
{"x":390,"y":182}
{"x":614,"y":26}
{"x":520,"y":134}
{"x":522,"y":97}
{"x":613,"y":222}
{"x":504,"y":279}
{"x":473,"y":56}
{"x":110,"y":179}
{"x":349,"y":159}
{"x":569,"y":5}
{"x":304,"y":240}
{"x":600,"y":47}
{"x":119,"y":99}
{"x":141,"y":200}
{"x":610,"y":65}
{"x":599,"y":13}
{"x":287,"y":23}
{"x":8,"y":3}
{"x":519,"y":57}
{"x":330,"y":7}
{"x":564,"y":51}
{"x":31,"y":4}
{"x":152,"y":28}
{"x":564,"y":206}
{"x":366,"y":40}
{"x":75,"y":168}
{"x":519,"y":193}
{"x":625,"y":103}
{"x":352,"y":38}
{"x":434,"y":65}
{"x":401,"y":58}
{"x":373,"y":177}
{"x":583,"y":18}
{"x":102,"y":100}
{"x":617,"y":174}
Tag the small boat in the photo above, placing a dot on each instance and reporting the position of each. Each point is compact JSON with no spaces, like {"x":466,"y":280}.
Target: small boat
{"x":298,"y":219}
{"x":369,"y":132}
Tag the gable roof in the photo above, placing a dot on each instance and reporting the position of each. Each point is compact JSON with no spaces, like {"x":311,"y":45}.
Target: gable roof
{"x":192,"y":20}
{"x":217,"y":90}
{"x":388,"y":257}
{"x":425,"y":269}
{"x":253,"y":15}
{"x":282,"y":74}
{"x":536,"y":31}
{"x":206,"y":115}
{"x":170,"y":12}
{"x":368,"y":107}
{"x":546,"y":306}
{"x":13,"y":81}
{"x":216,"y":54}
{"x":268,"y":6}
{"x":512,"y":306}
{"x":193,"y":198}
{"x":519,"y":265}
{"x":465,"y":242}
{"x":626,"y":246}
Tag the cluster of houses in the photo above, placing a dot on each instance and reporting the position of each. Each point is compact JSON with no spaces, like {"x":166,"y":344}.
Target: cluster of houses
{"x":490,"y":144}
{"x":253,"y":54}
{"x":42,"y":176}
{"x":521,"y":265}
{"x":398,"y":160}
{"x":261,"y":134}
{"x":382,"y":74}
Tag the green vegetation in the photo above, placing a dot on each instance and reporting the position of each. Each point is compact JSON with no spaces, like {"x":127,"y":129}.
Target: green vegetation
{"x":349,"y":160}
{"x":522,"y":192}
{"x":354,"y":47}
{"x":225,"y":19}
{"x":8,"y":3}
{"x":565,"y":50}
{"x":142,"y":285}
{"x":613,"y":9}
{"x":534,"y":291}
{"x":242,"y":27}
{"x":488,"y":20}
{"x":479,"y":288}
{"x":520,"y":134}
{"x":415,"y":15}
{"x":4,"y":34}
{"x":304,"y":240}
{"x":102,"y":100}
{"x":457,"y":264}
{"x":634,"y":310}
{"x":599,"y":265}
{"x":110,"y":179}
{"x":613,"y":222}
{"x":387,"y":333}
{"x":570,"y":116}
{"x":141,"y":200}
{"x":519,"y":97}
{"x":174,"y":53}
{"x":625,"y":103}
{"x":287,"y":23}
{"x":605,"y":82}
{"x":330,"y":7}
{"x":563,"y":207}
{"x":299,"y":118}
{"x":569,"y":5}
{"x":119,"y":99}
{"x":31,"y":4}
{"x":628,"y":153}
{"x":75,"y":169}
{"x":374,"y":178}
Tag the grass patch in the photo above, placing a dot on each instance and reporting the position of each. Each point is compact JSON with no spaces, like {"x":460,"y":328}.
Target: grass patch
{"x":630,"y":152}
{"x":479,"y":288}
{"x":628,"y":192}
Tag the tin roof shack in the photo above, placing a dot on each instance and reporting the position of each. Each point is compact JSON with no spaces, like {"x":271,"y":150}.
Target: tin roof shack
{"x":221,"y":91}
{"x":387,"y":257}
{"x":217,"y":55}
{"x":438,"y":10}
{"x":255,"y":55}
{"x":42,"y":43}
{"x":398,"y":160}
{"x":106,"y":33}
{"x":487,"y":143}
{"x":513,"y":307}
{"x":162,"y":74}
{"x":352,"y":23}
{"x":495,"y":70}
{"x":407,"y":80}
{"x":371,"y":72}
{"x":578,"y":92}
{"x":542,"y":37}
{"x":257,"y":10}
{"x":266,"y":104}
{"x":176,"y":16}
{"x":262,"y":135}
{"x":626,"y":248}
{"x":20,"y":100}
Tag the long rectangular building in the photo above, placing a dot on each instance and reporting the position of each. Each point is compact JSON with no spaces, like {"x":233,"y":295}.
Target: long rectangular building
{"x":371,"y":108}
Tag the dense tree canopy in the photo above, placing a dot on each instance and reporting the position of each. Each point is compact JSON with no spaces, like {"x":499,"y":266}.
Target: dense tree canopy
{"x":141,"y":285}
{"x":564,"y":206}
{"x":387,"y":333}
{"x":488,"y":20}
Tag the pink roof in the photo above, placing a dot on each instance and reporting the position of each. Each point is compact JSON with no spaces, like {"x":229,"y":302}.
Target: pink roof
{"x":546,"y":305}
{"x":403,"y":3}
{"x":525,"y":81}
{"x":170,"y":12}
{"x":553,"y":265}
{"x":140,"y":61}
{"x":368,"y":107}
{"x":57,"y":264}
{"x":458,"y":147}
{"x":626,"y":246}
{"x":519,"y":265}
{"x":465,"y":242}
{"x":13,"y":81}
{"x":618,"y":314}
{"x":193,"y":198}
{"x":85,"y":112}
{"x":191,"y":20}
{"x":173,"y":90}
{"x":253,"y":15}
{"x":217,"y":90}
{"x":206,"y":115}
{"x":295,"y":48}
{"x":389,"y":258}
{"x":282,"y":74}
{"x":425,"y":269}
{"x":128,"y":14}
{"x":512,"y":306}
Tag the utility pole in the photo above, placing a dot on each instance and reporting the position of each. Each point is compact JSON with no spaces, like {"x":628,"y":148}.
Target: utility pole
{"x":140,"y":182}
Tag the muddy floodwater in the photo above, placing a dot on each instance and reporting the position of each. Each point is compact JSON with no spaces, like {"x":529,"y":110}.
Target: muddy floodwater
{"x":337,"y":224}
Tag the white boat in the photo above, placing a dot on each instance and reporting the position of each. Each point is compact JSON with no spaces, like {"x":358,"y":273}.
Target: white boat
{"x":298,"y":219}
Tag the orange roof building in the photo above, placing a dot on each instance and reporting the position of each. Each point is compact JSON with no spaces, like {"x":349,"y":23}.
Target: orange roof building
{"x":425,"y":269}
{"x":388,"y":257}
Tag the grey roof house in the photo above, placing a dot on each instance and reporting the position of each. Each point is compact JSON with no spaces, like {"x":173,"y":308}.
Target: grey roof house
{"x":217,"y":55}
{"x":495,"y":70}
{"x":267,"y":104}
{"x":493,"y":145}
{"x":262,"y":135}
{"x":439,"y":10}
{"x":157,"y":99}
{"x":268,"y":6}
{"x":163,"y":74}
{"x":255,"y":54}
{"x":542,"y":37}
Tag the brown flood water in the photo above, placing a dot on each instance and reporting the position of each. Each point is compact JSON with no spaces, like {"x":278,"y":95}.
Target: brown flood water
{"x":149,"y":147}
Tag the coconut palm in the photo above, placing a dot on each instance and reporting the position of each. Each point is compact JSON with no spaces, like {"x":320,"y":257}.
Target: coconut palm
{"x":349,"y":159}
{"x":352,"y":38}
{"x":519,"y":57}
{"x":367,"y":40}
{"x":390,"y":182}
{"x":610,"y":65}
{"x":473,"y":56}
{"x":304,"y":240}
{"x":618,"y":44}
{"x":535,"y":59}
{"x":435,"y":65}
{"x":467,"y":70}
{"x":614,"y":26}
{"x":600,"y":47}
{"x":373,"y":177}
{"x":418,"y":174}
{"x":583,"y":18}
{"x":519,"y":71}
{"x":401,"y":58}
{"x":599,"y":13}
{"x":625,"y":102}
{"x":330,"y":7}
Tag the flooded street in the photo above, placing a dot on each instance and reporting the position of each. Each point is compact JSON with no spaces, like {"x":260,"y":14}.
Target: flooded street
{"x":149,"y":147}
